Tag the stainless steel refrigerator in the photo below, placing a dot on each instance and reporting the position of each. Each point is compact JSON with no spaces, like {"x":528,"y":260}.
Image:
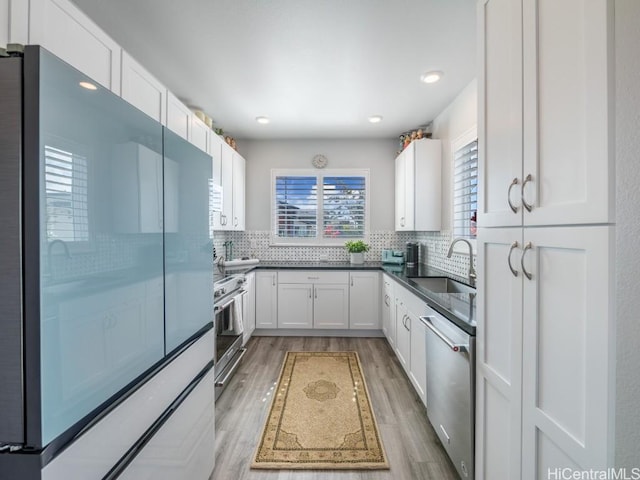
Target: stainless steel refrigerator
{"x":105,"y":259}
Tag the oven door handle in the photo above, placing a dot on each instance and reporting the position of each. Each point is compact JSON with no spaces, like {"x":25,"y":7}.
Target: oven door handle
{"x":219,"y":308}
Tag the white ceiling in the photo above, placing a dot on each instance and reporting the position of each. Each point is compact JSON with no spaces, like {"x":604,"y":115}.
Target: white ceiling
{"x":317,"y":68}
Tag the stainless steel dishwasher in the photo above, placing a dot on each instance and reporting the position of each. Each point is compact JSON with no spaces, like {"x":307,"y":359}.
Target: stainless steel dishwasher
{"x":451,"y":389}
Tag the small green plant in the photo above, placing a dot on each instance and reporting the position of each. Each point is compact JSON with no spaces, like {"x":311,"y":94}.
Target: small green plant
{"x":356,"y":246}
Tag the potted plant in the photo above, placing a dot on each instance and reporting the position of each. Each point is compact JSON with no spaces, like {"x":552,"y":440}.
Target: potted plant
{"x":356,"y":249}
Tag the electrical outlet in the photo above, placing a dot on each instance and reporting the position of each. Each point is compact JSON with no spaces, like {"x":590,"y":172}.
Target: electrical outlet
{"x":254,"y":243}
{"x":323,"y":258}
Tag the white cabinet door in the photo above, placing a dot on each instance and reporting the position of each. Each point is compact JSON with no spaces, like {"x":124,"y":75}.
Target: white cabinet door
{"x":143,"y":90}
{"x":249,"y":307}
{"x":215,"y":150}
{"x":295,"y":305}
{"x":364,"y":300}
{"x":266,"y":299}
{"x":418,"y":356}
{"x":544,"y":88}
{"x":227,"y":187}
{"x":388,"y":310}
{"x":330,"y":306}
{"x":567,"y":348}
{"x":178,"y":116}
{"x":238,"y":188}
{"x":199,"y":133}
{"x":400,"y":193}
{"x":500,"y":113}
{"x":60,"y":27}
{"x":499,"y":353}
{"x":403,"y":334}
{"x":568,"y":90}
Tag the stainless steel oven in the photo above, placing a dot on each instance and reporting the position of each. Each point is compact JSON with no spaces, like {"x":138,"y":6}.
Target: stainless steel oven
{"x":228,"y":293}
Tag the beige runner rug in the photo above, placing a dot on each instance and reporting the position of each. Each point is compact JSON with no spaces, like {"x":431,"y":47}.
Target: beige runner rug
{"x":320,"y":416}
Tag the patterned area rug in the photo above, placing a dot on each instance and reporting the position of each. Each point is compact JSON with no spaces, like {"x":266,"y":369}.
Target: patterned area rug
{"x":320,"y":416}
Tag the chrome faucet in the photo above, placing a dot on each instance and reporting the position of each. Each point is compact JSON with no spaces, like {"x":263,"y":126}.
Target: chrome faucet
{"x":472,"y":271}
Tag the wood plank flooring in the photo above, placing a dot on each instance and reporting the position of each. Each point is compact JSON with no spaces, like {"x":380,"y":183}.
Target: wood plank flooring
{"x":412,"y":447}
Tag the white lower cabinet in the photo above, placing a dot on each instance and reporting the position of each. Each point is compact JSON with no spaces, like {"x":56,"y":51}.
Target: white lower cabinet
{"x":418,"y":357}
{"x":387,"y":307}
{"x":403,"y":334}
{"x":295,"y":305}
{"x":410,"y":340}
{"x":249,"y":307}
{"x":544,"y":348}
{"x":266,"y":299}
{"x":313,"y":299}
{"x":184,"y":446}
{"x":364,"y":307}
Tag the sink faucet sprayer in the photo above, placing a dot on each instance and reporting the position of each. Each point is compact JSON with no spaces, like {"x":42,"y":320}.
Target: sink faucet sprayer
{"x":472,"y":271}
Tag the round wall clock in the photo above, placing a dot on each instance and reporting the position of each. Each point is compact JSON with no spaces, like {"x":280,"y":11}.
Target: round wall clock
{"x":319,"y":161}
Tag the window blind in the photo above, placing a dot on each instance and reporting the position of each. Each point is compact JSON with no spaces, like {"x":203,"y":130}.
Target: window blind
{"x":465,"y":190}
{"x":67,"y":212}
{"x":343,"y":207}
{"x":296,"y":206}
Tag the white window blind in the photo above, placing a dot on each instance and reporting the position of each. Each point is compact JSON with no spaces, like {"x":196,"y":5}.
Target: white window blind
{"x":325,"y":208}
{"x":465,"y":190}
{"x":67,"y":210}
{"x":344,"y":207}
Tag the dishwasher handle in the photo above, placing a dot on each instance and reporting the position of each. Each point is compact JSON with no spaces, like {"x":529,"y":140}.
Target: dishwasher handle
{"x":456,"y":347}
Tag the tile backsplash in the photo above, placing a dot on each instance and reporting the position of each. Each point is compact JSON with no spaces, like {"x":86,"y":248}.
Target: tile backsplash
{"x":433,"y":248}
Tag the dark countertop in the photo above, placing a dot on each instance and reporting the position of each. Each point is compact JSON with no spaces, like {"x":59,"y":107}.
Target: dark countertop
{"x":459,"y":308}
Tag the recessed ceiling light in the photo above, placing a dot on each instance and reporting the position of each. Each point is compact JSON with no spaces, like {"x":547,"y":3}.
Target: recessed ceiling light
{"x":375,"y":118}
{"x":431,"y":77}
{"x":88,"y":85}
{"x":263,"y":120}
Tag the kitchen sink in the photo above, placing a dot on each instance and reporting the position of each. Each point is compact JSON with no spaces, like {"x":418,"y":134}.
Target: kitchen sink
{"x":442,"y":285}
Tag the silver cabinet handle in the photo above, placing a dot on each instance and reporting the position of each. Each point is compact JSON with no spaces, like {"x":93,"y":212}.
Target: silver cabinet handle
{"x":402,"y":221}
{"x":514,"y":245}
{"x":273,"y":280}
{"x":313,"y":278}
{"x":527,"y":179}
{"x":386,"y":300}
{"x":235,"y":221}
{"x":309,"y":293}
{"x":456,"y":347}
{"x":408,"y":322}
{"x":352,"y":281}
{"x":315,"y":292}
{"x":528,"y":246}
{"x":514,"y":182}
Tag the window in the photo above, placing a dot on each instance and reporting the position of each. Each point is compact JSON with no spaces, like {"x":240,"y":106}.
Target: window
{"x":465,"y":185}
{"x":311,"y":208}
{"x":66,"y":195}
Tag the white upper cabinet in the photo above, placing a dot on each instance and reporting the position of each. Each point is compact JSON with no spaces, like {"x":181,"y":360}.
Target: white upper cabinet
{"x":65,"y":31}
{"x":199,"y":133}
{"x":14,"y":22}
{"x":418,"y":186}
{"x":239,"y":177}
{"x":545,"y":101}
{"x":142,"y":90}
{"x":178,"y":116}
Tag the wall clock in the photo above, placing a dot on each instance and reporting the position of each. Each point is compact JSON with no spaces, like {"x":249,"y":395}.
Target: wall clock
{"x":319,"y":161}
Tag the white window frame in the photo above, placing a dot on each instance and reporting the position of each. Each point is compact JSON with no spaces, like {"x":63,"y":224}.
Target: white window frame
{"x":459,"y":142}
{"x":275,"y":240}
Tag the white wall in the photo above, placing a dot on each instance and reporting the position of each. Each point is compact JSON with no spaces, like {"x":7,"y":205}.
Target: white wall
{"x":263,"y":155}
{"x":456,"y":119}
{"x":627,"y":262}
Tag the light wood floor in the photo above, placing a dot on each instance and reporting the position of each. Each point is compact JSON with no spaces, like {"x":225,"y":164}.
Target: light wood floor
{"x":413,"y":450}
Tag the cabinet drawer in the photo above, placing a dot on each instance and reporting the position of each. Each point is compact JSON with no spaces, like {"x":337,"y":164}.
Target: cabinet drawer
{"x":289,"y":276}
